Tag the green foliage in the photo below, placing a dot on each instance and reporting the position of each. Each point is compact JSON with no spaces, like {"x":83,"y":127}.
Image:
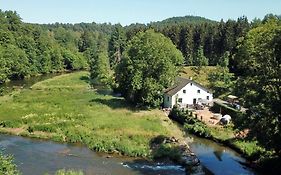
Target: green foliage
{"x":202,"y":76}
{"x":199,"y":58}
{"x":27,"y":49}
{"x":259,"y":57}
{"x":99,"y":63}
{"x":65,"y":109}
{"x":198,"y":128}
{"x":117,"y":44}
{"x":168,"y":151}
{"x":250,"y":149}
{"x":224,"y":60}
{"x":222,"y":81}
{"x":191,"y":123}
{"x":179,"y":115}
{"x":7,"y":165}
{"x":149,"y":65}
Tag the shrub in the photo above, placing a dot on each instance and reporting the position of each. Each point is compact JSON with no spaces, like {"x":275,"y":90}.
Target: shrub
{"x":191,"y":123}
{"x":168,"y":151}
{"x":198,"y":128}
{"x":7,"y":165}
{"x":178,"y":115}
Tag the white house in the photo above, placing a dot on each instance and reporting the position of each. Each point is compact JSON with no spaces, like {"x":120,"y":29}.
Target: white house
{"x":186,"y":92}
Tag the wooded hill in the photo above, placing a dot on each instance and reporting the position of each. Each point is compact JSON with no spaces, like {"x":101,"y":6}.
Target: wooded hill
{"x":30,"y":49}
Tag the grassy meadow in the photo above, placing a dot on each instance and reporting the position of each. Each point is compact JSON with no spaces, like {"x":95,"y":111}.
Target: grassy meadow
{"x":65,"y":108}
{"x":200,"y":76}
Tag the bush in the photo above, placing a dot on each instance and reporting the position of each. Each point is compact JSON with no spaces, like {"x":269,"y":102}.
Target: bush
{"x":178,"y":115}
{"x":168,"y":151}
{"x":7,"y":166}
{"x":191,"y":123}
{"x":198,"y":128}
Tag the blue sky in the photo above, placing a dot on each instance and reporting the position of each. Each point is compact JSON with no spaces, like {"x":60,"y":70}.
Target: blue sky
{"x":132,"y":11}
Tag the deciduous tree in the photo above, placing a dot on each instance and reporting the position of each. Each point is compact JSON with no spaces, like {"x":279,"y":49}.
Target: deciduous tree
{"x":149,"y":65}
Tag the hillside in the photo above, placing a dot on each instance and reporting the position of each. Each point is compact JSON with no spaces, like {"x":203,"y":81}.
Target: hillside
{"x":201,"y":76}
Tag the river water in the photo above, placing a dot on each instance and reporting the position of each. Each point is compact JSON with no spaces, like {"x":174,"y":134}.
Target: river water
{"x":218,"y":159}
{"x":25,"y":83}
{"x":36,"y":157}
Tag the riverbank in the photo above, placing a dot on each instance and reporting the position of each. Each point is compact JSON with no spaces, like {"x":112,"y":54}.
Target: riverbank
{"x":225,"y":135}
{"x":36,"y":157}
{"x":66,"y":109}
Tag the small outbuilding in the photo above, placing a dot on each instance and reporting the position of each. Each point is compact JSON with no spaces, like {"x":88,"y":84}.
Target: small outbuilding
{"x":186,"y":92}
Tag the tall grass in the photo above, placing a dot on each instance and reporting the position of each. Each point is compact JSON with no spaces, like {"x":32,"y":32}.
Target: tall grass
{"x":66,"y":108}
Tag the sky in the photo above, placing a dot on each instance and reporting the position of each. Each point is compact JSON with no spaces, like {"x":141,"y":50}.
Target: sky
{"x":136,"y":11}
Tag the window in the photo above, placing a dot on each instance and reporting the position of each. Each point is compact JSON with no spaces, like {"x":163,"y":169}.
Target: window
{"x":190,"y":84}
{"x":208,"y":97}
{"x":168,"y":98}
{"x":184,"y":91}
{"x":180,"y":100}
{"x":198,"y":91}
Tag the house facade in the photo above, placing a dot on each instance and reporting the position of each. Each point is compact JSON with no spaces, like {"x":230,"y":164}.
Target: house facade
{"x":186,"y":92}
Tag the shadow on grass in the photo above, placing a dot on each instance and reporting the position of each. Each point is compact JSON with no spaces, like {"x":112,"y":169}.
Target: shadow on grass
{"x":115,"y":103}
{"x":85,"y":78}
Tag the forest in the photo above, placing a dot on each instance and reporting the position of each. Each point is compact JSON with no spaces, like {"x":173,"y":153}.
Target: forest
{"x":31,"y":49}
{"x":248,"y":52}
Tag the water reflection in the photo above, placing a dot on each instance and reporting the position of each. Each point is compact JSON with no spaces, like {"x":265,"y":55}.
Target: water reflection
{"x":218,"y":159}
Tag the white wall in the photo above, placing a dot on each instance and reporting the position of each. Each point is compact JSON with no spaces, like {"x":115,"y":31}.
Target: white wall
{"x":187,"y":97}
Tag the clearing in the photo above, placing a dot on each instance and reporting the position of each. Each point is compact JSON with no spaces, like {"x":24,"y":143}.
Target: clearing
{"x":65,"y":108}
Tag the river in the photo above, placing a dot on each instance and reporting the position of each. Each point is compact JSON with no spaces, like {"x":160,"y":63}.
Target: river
{"x":35,"y":157}
{"x":25,"y":83}
{"x":218,"y":159}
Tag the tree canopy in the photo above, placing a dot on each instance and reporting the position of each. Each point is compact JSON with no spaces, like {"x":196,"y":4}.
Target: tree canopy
{"x":259,"y":57}
{"x":149,"y":65}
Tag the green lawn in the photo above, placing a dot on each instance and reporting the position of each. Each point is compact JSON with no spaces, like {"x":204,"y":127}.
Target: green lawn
{"x":66,"y":108}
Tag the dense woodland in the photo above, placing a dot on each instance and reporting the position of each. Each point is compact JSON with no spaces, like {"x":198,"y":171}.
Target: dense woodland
{"x":248,"y":53}
{"x":30,"y":49}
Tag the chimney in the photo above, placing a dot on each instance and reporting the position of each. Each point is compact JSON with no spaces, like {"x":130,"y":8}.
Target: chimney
{"x":190,"y":78}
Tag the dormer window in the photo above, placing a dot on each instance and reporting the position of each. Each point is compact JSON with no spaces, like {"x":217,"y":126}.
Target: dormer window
{"x":184,"y":91}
